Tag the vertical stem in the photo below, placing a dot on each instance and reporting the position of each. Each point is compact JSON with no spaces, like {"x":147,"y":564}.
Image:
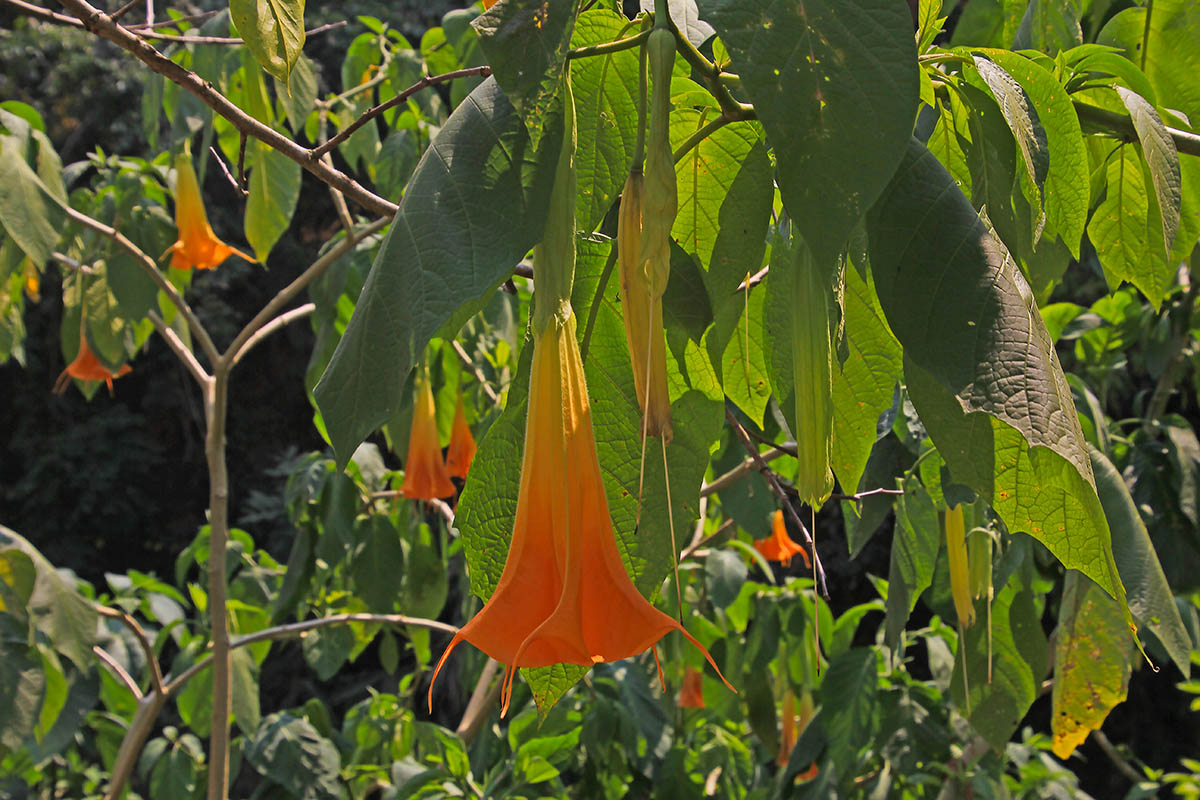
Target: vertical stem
{"x":216,"y":404}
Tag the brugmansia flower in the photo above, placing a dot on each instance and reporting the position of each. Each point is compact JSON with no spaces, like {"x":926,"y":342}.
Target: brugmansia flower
{"x":779,"y":546}
{"x":197,"y":245}
{"x":691,"y":694}
{"x":86,"y":367}
{"x":462,"y":444}
{"x":425,"y":475}
{"x":956,"y":557}
{"x":792,"y":723}
{"x":564,"y":596}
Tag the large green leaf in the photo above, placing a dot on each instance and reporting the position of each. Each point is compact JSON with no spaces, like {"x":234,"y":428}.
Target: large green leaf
{"x":863,"y":386}
{"x":526,"y":42}
{"x":606,"y":92}
{"x":1049,"y":26}
{"x":1120,"y":229}
{"x":475,"y":205}
{"x":975,"y":345}
{"x":1018,"y":657}
{"x":273,"y":31}
{"x":289,"y":751}
{"x":848,"y":702}
{"x":1150,"y":598}
{"x":836,"y":119}
{"x":1067,"y":170}
{"x":1092,"y":661}
{"x":914,"y":552}
{"x":274,"y":191}
{"x":1162,"y":159}
{"x":28,"y":210}
{"x":488,"y":504}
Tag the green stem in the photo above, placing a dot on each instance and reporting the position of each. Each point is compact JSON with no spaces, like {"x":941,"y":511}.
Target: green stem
{"x":707,"y":130}
{"x":710,"y":74}
{"x":639,"y":146}
{"x":1146,"y":33}
{"x":216,"y":406}
{"x":662,"y":14}
{"x":609,"y":47}
{"x":594,"y":308}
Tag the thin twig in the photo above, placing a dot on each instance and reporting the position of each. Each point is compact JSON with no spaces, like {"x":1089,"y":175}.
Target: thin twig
{"x":694,"y":547}
{"x":117,"y":670}
{"x":143,"y":640}
{"x":523,"y":270}
{"x":788,"y":447}
{"x":483,"y":700}
{"x":292,"y":289}
{"x":740,"y":471}
{"x":72,"y":264}
{"x":241,"y":178}
{"x":131,"y":746}
{"x":710,"y":128}
{"x":479,"y":376}
{"x":1119,"y":761}
{"x":597,"y":300}
{"x":125,"y":9}
{"x":1112,"y":122}
{"x":150,"y":268}
{"x":146,"y":33}
{"x":102,"y":25}
{"x":298,"y":629}
{"x":225,"y":169}
{"x":818,"y":568}
{"x":284,"y":319}
{"x":170,"y":23}
{"x":180,"y":349}
{"x":44,"y":14}
{"x":371,"y":113}
{"x":755,"y":279}
{"x":864,"y":495}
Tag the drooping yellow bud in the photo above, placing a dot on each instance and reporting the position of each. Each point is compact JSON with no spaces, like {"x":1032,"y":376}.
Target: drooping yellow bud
{"x":956,"y":556}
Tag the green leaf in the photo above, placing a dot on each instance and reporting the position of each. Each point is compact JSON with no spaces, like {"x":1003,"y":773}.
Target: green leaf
{"x":245,"y":704}
{"x":606,"y":92}
{"x":1092,"y":662}
{"x":22,"y":683}
{"x":299,"y":94}
{"x":914,"y":552}
{"x":1167,"y":52}
{"x":25,"y":215}
{"x":974,"y":342}
{"x":475,"y":206}
{"x":989,"y":23}
{"x":724,"y":574}
{"x":289,"y":751}
{"x":739,"y":352}
{"x":273,"y":31}
{"x":863,"y":386}
{"x":1150,"y":597}
{"x":1018,"y":657}
{"x":526,"y":42}
{"x":1158,"y":148}
{"x":1049,"y":26}
{"x":838,"y":124}
{"x":274,"y":191}
{"x":378,"y":569}
{"x":426,"y":578}
{"x":848,"y":705}
{"x":1067,"y":170}
{"x":1120,"y":230}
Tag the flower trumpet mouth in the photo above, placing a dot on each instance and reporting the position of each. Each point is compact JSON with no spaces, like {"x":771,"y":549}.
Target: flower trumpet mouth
{"x":197,"y":245}
{"x":461,"y":451}
{"x":86,"y":367}
{"x":780,"y":547}
{"x":564,"y":595}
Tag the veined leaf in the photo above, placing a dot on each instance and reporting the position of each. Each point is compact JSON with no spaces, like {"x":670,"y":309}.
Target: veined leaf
{"x":1162,"y":158}
{"x":914,"y":552}
{"x":273,"y":31}
{"x":475,"y":205}
{"x":274,"y":192}
{"x":854,"y":113}
{"x":974,"y":342}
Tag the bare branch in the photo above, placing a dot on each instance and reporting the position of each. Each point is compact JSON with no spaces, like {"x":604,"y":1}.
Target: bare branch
{"x":292,"y":289}
{"x":275,"y":324}
{"x":151,"y":268}
{"x":118,"y":670}
{"x":143,"y":640}
{"x":479,"y":376}
{"x":225,"y":169}
{"x":180,"y":350}
{"x":864,"y":495}
{"x":483,"y":700}
{"x":371,"y":113}
{"x":146,"y":33}
{"x":739,"y":472}
{"x":102,"y":25}
{"x":694,"y":547}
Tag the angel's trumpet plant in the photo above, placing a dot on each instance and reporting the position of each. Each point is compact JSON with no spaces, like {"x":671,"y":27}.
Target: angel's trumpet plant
{"x":779,"y":546}
{"x":86,"y":367}
{"x":461,"y":451}
{"x":812,"y":367}
{"x":197,"y":247}
{"x":564,"y":595}
{"x":425,"y":476}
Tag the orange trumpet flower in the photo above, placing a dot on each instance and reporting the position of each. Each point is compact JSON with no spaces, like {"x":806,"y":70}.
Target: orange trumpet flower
{"x":564,"y":595}
{"x":792,"y":724}
{"x":86,"y":367}
{"x":691,"y":694}
{"x":197,"y":245}
{"x":780,"y":547}
{"x":425,"y":475}
{"x":461,"y":452}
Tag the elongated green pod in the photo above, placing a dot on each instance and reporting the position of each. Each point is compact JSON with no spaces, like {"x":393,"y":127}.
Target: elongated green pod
{"x":812,"y":369}
{"x":956,"y":557}
{"x":979,"y":559}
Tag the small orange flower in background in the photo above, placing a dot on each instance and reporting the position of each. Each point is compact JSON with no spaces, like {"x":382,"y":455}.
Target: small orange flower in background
{"x":564,"y":596}
{"x":691,"y":694}
{"x":425,"y":476}
{"x":780,"y":547}
{"x":86,"y":367}
{"x":461,"y":452}
{"x":197,"y":245}
{"x":793,"y":721}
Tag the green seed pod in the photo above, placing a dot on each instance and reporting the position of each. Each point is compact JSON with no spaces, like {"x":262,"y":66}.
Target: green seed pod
{"x":660,"y":202}
{"x":812,"y":369}
{"x":979,"y":556}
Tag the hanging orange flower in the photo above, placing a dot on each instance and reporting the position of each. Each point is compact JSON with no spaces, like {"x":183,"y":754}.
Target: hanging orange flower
{"x":425,"y":475}
{"x":564,"y":596}
{"x":691,"y":694}
{"x":86,"y":367}
{"x":793,"y":721}
{"x":780,"y":547}
{"x":461,"y":452}
{"x":197,"y":245}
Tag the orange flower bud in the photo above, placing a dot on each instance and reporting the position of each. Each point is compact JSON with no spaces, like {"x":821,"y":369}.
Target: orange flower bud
{"x":691,"y":694}
{"x":425,"y":475}
{"x":780,"y":547}
{"x":462,"y":444}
